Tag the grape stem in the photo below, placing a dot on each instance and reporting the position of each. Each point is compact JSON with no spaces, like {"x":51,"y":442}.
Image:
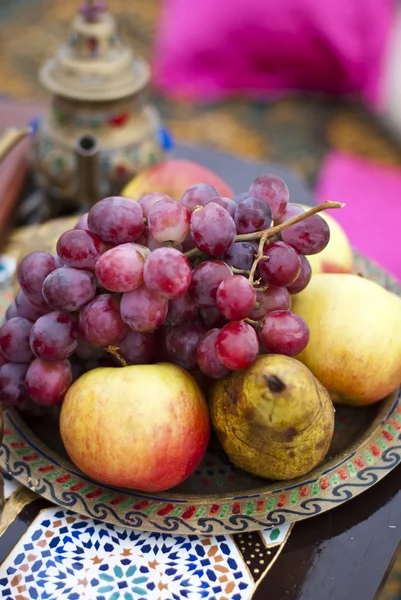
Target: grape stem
{"x":239,"y":271}
{"x":268,"y":233}
{"x":264,"y":235}
{"x":256,"y":324}
{"x":114,"y":350}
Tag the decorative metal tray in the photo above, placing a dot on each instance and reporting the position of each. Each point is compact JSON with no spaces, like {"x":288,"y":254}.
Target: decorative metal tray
{"x":218,"y":497}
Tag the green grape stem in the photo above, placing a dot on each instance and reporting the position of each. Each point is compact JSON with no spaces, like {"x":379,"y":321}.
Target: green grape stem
{"x":266,"y":234}
{"x":256,"y":324}
{"x":114,"y":350}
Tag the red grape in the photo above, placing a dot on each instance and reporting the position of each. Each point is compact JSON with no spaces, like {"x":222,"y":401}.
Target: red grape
{"x":237,"y":345}
{"x":149,"y":200}
{"x":252,"y":215}
{"x":82,"y":222}
{"x":188,"y":243}
{"x":116,"y":220}
{"x":142,"y":310}
{"x":212,"y":317}
{"x":100,"y":322}
{"x":274,"y":298}
{"x":120,"y":269}
{"x":69,"y":289}
{"x":3,"y":360}
{"x":144,"y":251}
{"x":303,"y":278}
{"x":167,"y":273}
{"x":284,"y":332}
{"x":14,"y":340}
{"x":241,"y":255}
{"x":235,"y":298}
{"x":273,"y":191}
{"x":212,"y":229}
{"x":228,"y":204}
{"x":310,"y":236}
{"x":28,"y":310}
{"x":54,"y":336}
{"x":198,"y":195}
{"x":292,"y":210}
{"x":79,"y":248}
{"x":149,"y":241}
{"x":181,"y":310}
{"x":12,"y":383}
{"x":12,"y":311}
{"x":168,"y":221}
{"x":282,"y":266}
{"x":137,"y":348}
{"x":32,"y":272}
{"x":206,"y":278}
{"x":182,"y":342}
{"x":206,"y":356}
{"x":47,"y":383}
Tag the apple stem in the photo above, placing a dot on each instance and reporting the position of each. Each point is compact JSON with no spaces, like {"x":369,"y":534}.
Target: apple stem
{"x":114,"y":350}
{"x":264,"y":235}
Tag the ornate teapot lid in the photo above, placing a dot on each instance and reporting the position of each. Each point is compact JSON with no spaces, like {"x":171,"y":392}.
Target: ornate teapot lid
{"x":94,"y":64}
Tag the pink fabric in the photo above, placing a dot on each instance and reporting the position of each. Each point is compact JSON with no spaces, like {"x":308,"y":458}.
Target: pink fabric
{"x":372,"y":215}
{"x":207,"y":49}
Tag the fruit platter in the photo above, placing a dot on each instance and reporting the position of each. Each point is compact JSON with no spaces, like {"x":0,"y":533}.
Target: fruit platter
{"x":201,"y":364}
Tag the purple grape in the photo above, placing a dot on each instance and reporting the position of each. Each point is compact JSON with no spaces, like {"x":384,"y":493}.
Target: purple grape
{"x":303,"y":278}
{"x":181,"y":310}
{"x":273,"y":191}
{"x":310,"y":236}
{"x":12,"y":384}
{"x":252,"y":215}
{"x":198,"y":195}
{"x":32,"y":272}
{"x":241,"y":255}
{"x":54,"y":336}
{"x":47,"y":383}
{"x":212,"y":229}
{"x":69,"y":289}
{"x":14,"y":340}
{"x":116,"y":220}
{"x":182,"y":342}
{"x":100,"y":322}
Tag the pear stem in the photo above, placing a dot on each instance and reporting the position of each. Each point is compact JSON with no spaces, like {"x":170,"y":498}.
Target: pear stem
{"x":114,"y":350}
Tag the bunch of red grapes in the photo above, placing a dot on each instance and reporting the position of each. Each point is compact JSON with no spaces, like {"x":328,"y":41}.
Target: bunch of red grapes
{"x":160,"y":280}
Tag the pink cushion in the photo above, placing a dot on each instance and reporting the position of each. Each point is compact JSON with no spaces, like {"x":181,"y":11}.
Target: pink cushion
{"x":372,"y":215}
{"x":207,"y":49}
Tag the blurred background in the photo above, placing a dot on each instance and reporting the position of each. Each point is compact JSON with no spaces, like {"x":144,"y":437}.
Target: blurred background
{"x":296,"y":131}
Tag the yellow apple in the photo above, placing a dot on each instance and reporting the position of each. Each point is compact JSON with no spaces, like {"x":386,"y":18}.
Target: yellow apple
{"x":143,"y":427}
{"x":355,"y":336}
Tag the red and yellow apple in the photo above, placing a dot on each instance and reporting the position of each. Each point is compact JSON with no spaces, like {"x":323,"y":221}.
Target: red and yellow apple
{"x":173,"y":177}
{"x":142,"y":427}
{"x":337,"y":257}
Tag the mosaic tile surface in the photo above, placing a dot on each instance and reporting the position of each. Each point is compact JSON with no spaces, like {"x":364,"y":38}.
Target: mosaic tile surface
{"x":64,"y":556}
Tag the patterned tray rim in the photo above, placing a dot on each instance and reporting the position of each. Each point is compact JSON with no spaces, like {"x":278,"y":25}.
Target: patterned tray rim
{"x":344,"y":476}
